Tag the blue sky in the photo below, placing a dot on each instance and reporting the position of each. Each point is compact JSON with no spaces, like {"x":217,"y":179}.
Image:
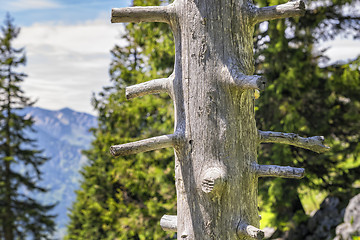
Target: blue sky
{"x":27,"y":12}
{"x":68,"y":45}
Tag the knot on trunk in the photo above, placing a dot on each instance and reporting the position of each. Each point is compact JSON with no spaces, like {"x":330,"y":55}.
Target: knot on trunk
{"x":213,"y":180}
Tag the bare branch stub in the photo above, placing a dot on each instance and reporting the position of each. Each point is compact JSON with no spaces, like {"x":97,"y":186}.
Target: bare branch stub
{"x":290,"y":9}
{"x":144,"y":145}
{"x":245,"y":229}
{"x":238,"y":79}
{"x":151,"y":87}
{"x":250,"y":81}
{"x":315,"y":143}
{"x":278,"y":171}
{"x":141,"y":14}
{"x":169,"y":223}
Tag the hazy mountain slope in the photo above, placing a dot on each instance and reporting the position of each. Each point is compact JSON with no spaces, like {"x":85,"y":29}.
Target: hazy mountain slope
{"x":62,"y":134}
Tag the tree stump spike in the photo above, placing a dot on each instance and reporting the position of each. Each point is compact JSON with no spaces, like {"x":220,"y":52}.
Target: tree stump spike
{"x":245,"y":229}
{"x":241,"y":80}
{"x":315,"y":144}
{"x":290,"y":9}
{"x":142,"y":14}
{"x":146,"y":145}
{"x":169,"y":223}
{"x":278,"y":171}
{"x":249,"y":81}
{"x":151,"y":87}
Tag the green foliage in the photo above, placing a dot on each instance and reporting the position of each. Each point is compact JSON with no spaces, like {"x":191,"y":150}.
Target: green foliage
{"x":21,"y":216}
{"x":124,"y":198}
{"x":304,"y":98}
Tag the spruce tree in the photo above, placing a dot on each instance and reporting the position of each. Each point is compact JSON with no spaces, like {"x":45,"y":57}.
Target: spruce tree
{"x":21,"y":216}
{"x":125,"y":197}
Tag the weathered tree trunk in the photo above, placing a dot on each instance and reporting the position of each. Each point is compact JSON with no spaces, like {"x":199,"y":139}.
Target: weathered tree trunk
{"x":215,"y":136}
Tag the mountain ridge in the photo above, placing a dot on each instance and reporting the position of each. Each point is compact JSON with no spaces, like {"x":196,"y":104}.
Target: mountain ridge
{"x":62,"y":135}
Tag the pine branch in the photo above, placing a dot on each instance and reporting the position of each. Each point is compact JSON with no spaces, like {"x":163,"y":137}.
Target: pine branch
{"x":311,"y":143}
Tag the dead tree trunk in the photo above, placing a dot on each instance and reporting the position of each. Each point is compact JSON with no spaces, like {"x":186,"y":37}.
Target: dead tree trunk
{"x":215,"y":137}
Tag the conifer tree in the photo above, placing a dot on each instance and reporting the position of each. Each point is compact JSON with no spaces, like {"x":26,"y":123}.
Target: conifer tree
{"x":124,"y":197}
{"x":21,"y":216}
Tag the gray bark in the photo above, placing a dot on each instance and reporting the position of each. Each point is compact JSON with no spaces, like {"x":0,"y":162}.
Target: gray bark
{"x":290,"y":9}
{"x":278,"y":171}
{"x":144,"y":145}
{"x":315,"y":144}
{"x":169,"y":223}
{"x":248,"y":230}
{"x":141,"y":14}
{"x":154,"y":86}
{"x":215,"y":137}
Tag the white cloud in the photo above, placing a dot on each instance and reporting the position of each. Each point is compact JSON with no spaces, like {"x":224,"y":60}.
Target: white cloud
{"x":17,"y":5}
{"x":67,"y":63}
{"x":342,"y":49}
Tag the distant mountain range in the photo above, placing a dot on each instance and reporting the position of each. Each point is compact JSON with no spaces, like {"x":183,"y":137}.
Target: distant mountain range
{"x":62,"y":135}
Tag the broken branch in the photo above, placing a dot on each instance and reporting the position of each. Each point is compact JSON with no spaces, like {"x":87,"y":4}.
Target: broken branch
{"x":141,"y":14}
{"x":169,"y":223}
{"x":150,"y":87}
{"x":311,"y":143}
{"x":278,"y":171}
{"x":248,"y":230}
{"x":290,"y":9}
{"x":250,"y":81}
{"x":144,"y":145}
